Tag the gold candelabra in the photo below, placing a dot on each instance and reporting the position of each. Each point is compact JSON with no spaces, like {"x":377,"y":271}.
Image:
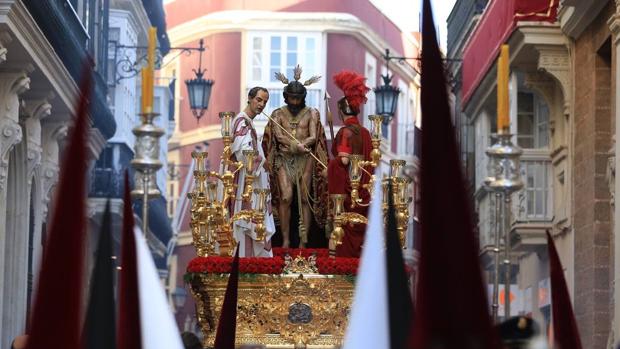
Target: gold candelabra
{"x":249,"y":155}
{"x":357,"y":165}
{"x":400,"y":198}
{"x":214,"y":196}
{"x":341,"y":218}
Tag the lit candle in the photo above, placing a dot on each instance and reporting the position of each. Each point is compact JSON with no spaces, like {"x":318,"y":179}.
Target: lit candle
{"x":150,"y":56}
{"x":143,"y":74}
{"x":503,"y":116}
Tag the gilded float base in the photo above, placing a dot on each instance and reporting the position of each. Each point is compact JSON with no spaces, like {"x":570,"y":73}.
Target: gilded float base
{"x":278,"y":311}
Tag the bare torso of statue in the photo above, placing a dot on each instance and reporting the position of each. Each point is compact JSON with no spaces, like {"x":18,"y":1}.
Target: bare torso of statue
{"x":293,"y":165}
{"x":293,"y":139}
{"x":301,"y":126}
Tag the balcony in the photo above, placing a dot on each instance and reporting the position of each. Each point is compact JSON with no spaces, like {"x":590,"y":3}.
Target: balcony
{"x":106,"y":183}
{"x":497,"y":24}
{"x":533,"y":206}
{"x":460,"y":21}
{"x":62,"y":27}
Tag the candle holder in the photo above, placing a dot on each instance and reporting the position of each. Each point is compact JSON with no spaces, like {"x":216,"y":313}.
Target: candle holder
{"x":200,"y":212}
{"x":400,"y":197}
{"x":401,"y":205}
{"x":200,"y":174}
{"x":357,"y":165}
{"x":341,"y":218}
{"x":354,"y":177}
{"x":259,"y":213}
{"x":504,"y":178}
{"x":226,"y":118}
{"x":250,"y":156}
{"x":385,"y":186}
{"x":504,"y":157}
{"x":375,"y":154}
{"x":337,"y":234}
{"x":146,"y":162}
{"x":396,"y":168}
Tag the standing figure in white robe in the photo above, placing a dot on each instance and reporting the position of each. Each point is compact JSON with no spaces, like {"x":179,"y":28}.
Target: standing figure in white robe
{"x":245,"y":138}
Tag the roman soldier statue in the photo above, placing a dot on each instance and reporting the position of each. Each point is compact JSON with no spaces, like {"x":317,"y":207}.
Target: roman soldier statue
{"x":352,"y":138}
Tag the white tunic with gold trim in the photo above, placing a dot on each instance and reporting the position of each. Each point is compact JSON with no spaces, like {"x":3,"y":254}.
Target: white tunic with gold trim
{"x":245,"y":138}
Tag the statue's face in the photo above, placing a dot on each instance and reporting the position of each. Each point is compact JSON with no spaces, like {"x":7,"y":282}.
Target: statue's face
{"x":258,"y":103}
{"x":295,"y":104}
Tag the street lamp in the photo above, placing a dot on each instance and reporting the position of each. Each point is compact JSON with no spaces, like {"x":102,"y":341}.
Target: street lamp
{"x":179,"y":296}
{"x":387,"y":95}
{"x":387,"y":98}
{"x":199,"y":89}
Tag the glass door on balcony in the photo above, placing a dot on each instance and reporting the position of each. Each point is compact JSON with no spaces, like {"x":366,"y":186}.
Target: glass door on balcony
{"x":535,"y":198}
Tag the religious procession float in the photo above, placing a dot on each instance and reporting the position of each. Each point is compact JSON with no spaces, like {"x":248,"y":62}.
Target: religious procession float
{"x":288,"y":297}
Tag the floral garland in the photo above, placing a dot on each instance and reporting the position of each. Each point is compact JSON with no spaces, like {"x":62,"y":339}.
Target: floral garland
{"x":337,"y":266}
{"x":253,"y":265}
{"x":222,"y":265}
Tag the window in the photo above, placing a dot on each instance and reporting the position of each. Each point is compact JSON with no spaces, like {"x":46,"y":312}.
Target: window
{"x":114,"y":36}
{"x":272,"y":53}
{"x":371,"y":81}
{"x":410,"y":127}
{"x":403,"y":119}
{"x":532,"y":121}
{"x":281,"y":52}
{"x":535,"y":199}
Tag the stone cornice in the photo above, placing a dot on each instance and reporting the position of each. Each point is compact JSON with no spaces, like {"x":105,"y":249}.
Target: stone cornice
{"x":614,"y":27}
{"x":329,"y":22}
{"x":96,"y":143}
{"x":5,"y":39}
{"x":25,"y":30}
{"x":576,"y":15}
{"x":552,"y":47}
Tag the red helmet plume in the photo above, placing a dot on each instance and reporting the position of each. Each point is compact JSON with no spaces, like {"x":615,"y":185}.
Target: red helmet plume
{"x":354,"y":87}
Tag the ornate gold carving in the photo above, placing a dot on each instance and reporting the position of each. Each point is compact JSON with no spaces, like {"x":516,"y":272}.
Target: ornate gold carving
{"x":280,"y":310}
{"x":299,"y":265}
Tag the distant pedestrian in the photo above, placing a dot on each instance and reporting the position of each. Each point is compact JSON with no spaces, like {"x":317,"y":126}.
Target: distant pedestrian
{"x":190,"y":341}
{"x":517,"y":332}
{"x":19,"y":342}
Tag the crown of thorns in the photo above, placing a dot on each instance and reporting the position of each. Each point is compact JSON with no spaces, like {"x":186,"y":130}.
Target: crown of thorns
{"x":297,"y":75}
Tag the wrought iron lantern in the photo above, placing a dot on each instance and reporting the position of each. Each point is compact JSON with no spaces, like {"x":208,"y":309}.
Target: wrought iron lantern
{"x":179,"y":296}
{"x":199,"y":89}
{"x":387,"y":99}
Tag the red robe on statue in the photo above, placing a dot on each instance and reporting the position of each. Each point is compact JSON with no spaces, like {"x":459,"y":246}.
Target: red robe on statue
{"x":353,"y":138}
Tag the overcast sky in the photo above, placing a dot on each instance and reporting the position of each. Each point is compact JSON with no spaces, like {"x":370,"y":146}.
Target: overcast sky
{"x":406,"y":14}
